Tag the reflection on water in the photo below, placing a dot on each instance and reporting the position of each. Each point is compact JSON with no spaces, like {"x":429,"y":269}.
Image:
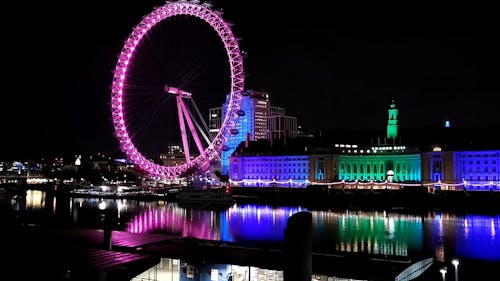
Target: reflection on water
{"x":172,"y":219}
{"x":474,"y":236}
{"x":248,"y":223}
{"x":254,"y":223}
{"x":35,"y":200}
{"x":369,"y":232}
{"x":441,"y":235}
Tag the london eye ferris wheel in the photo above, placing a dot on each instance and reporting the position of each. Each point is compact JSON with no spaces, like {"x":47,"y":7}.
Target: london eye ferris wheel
{"x":180,"y":60}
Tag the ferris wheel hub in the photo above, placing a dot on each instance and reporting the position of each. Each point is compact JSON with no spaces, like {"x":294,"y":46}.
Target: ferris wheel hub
{"x":177,"y":91}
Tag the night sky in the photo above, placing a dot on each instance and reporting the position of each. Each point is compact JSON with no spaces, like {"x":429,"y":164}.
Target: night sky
{"x":333,"y":67}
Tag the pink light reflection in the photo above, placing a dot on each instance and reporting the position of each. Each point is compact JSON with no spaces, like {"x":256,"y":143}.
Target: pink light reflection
{"x":175,"y":220}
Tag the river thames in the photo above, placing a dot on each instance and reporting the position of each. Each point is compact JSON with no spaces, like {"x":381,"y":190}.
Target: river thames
{"x":473,"y":238}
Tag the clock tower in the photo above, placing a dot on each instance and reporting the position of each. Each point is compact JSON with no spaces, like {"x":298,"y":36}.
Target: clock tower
{"x":392,"y":124}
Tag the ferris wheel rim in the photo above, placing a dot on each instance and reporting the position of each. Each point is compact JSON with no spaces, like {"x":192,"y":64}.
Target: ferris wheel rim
{"x":223,"y":29}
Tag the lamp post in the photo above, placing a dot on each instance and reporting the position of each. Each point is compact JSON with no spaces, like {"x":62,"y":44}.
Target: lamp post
{"x":455,"y":262}
{"x":443,"y":271}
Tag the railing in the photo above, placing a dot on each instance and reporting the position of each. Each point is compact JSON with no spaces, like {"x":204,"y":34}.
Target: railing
{"x":371,"y":185}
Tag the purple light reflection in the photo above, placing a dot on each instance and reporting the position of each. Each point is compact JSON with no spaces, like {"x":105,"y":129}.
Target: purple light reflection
{"x":236,"y":224}
{"x":177,"y":221}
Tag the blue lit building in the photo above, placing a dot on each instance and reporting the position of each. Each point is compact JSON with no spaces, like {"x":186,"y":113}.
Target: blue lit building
{"x":477,"y":170}
{"x":261,"y":164}
{"x":252,"y":121}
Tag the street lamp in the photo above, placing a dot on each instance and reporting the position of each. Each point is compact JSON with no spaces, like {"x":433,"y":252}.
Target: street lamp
{"x":455,"y":262}
{"x":443,"y":271}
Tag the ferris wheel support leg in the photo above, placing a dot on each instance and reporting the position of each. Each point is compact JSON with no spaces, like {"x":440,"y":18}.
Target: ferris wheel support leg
{"x":183,"y":128}
{"x":191,"y":128}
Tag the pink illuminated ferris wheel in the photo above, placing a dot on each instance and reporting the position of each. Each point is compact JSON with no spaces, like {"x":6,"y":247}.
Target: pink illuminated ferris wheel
{"x":180,"y":56}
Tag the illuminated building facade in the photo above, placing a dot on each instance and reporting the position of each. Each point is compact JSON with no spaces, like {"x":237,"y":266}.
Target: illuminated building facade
{"x":262,"y":110}
{"x":324,"y":167}
{"x":478,"y":166}
{"x":392,"y":124}
{"x":349,"y":162}
{"x":214,"y":120}
{"x":272,"y":171}
{"x":174,"y":156}
{"x":368,"y":165}
{"x":389,"y":167}
{"x":475,"y":169}
{"x":257,"y":119}
{"x":260,"y":163}
{"x":252,"y":121}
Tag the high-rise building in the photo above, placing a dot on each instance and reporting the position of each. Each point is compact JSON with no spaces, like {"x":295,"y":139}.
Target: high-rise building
{"x":215,"y":120}
{"x":262,"y":110}
{"x":282,"y":127}
{"x":277,"y":111}
{"x":257,"y":119}
{"x":252,"y":121}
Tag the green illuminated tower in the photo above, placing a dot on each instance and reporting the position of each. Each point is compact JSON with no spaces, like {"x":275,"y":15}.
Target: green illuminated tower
{"x":392,"y":124}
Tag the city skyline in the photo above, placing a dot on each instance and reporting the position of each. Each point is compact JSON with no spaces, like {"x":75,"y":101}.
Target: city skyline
{"x":333,"y":69}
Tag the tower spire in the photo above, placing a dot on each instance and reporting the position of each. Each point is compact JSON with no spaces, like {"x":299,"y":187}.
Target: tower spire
{"x":392,"y":122}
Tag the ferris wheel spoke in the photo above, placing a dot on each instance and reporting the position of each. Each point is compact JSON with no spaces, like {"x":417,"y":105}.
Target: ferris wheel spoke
{"x":187,"y":116}
{"x":193,"y":70}
{"x":200,"y":129}
{"x":139,"y":103}
{"x":157,"y":106}
{"x":199,"y":66}
{"x":185,"y":142}
{"x":159,"y":59}
{"x":152,"y":58}
{"x":200,"y":116}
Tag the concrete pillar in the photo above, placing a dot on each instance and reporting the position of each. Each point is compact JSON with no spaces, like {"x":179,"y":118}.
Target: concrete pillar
{"x":298,"y":248}
{"x":108,"y":224}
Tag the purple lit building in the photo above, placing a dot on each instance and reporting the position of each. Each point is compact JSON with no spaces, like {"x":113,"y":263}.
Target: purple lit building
{"x":261,"y":164}
{"x":477,"y":170}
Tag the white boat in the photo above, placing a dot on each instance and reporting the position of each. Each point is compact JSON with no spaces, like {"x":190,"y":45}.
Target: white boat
{"x":204,"y":197}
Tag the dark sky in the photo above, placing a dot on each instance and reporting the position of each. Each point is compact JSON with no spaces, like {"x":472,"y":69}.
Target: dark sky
{"x":332,"y":67}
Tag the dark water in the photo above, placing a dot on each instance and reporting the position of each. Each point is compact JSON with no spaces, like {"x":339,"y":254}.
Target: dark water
{"x":472,"y":238}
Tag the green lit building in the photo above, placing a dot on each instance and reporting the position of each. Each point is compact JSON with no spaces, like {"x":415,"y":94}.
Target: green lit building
{"x":384,"y":162}
{"x":392,"y":124}
{"x":393,"y":165}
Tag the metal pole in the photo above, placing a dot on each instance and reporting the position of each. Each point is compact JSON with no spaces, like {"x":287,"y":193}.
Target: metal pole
{"x":443,"y":271}
{"x":455,"y":262}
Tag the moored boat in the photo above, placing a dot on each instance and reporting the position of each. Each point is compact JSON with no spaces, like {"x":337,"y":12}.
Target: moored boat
{"x":205,"y":197}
